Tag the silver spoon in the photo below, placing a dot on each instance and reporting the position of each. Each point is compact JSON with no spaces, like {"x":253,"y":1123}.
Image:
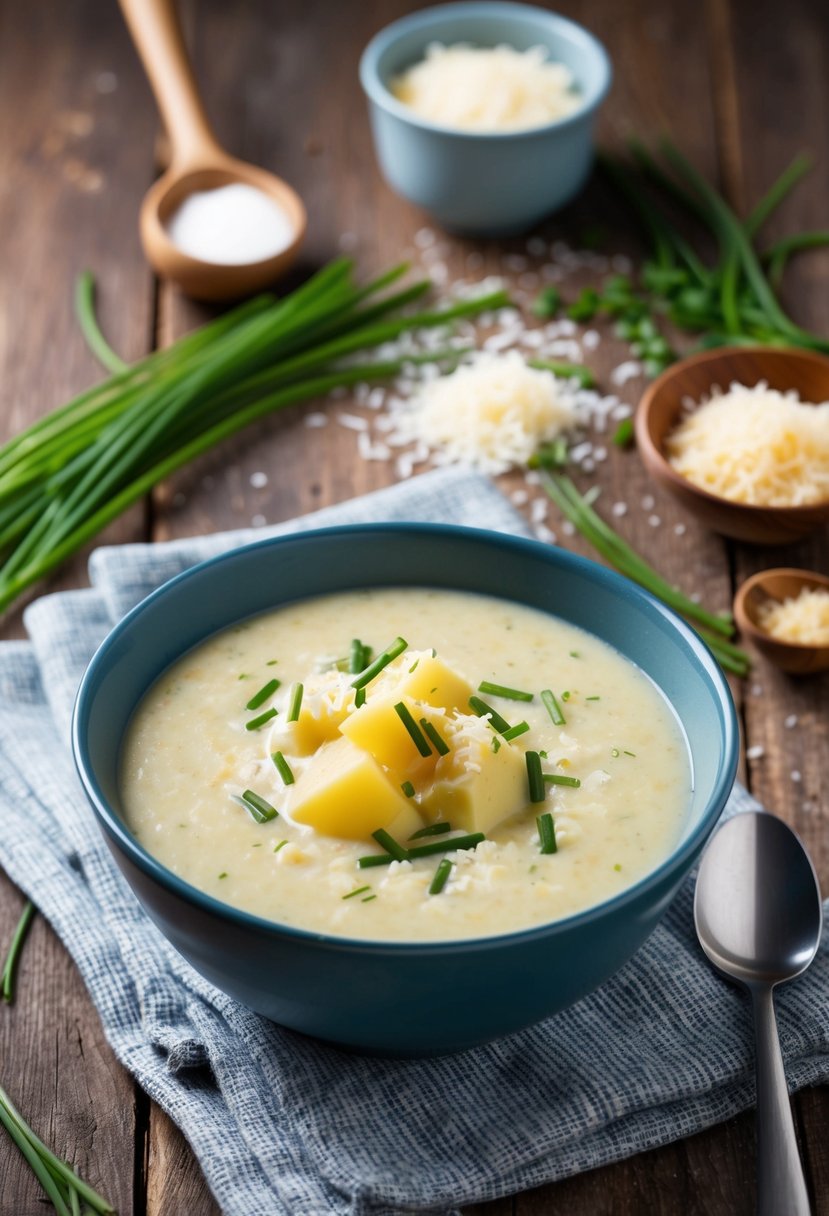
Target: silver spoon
{"x":759,"y":916}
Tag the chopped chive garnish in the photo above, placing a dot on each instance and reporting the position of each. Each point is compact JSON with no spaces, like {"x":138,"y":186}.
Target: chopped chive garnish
{"x":435,"y":738}
{"x":631,"y":754}
{"x":258,"y":845}
{"x":623,"y":435}
{"x":482,"y":709}
{"x":592,"y":698}
{"x":520,"y":728}
{"x":279,"y":846}
{"x":358,"y":657}
{"x":374,"y":859}
{"x":553,"y":708}
{"x":272,"y":662}
{"x":559,"y":779}
{"x":359,"y":698}
{"x":441,"y":876}
{"x":283,"y":768}
{"x":535,"y":777}
{"x":617,"y":866}
{"x":255,"y":723}
{"x":414,"y":730}
{"x":574,"y":654}
{"x":257,"y":807}
{"x":414,"y":666}
{"x":390,"y":844}
{"x":383,"y":659}
{"x":368,"y":899}
{"x":443,"y":846}
{"x":547,"y":833}
{"x":223,"y":874}
{"x":432,"y":829}
{"x":259,"y":698}
{"x":501,"y":690}
{"x":408,"y":789}
{"x":243,"y":675}
{"x":356,"y":891}
{"x":565,"y":696}
{"x":495,"y":745}
{"x":294,"y":703}
{"x":614,"y":751}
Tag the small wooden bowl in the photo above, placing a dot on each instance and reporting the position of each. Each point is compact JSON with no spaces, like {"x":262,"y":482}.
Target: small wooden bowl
{"x":660,"y":411}
{"x":779,"y":584}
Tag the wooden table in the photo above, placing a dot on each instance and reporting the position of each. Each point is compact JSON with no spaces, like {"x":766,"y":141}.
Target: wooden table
{"x":740,"y":86}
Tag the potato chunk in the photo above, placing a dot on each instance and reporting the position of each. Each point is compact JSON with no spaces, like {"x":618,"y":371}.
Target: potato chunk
{"x":327,"y":700}
{"x":344,"y":792}
{"x":476,"y":788}
{"x":378,"y":729}
{"x":435,"y":683}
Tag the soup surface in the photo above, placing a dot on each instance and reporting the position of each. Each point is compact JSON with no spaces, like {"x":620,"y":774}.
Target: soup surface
{"x":617,"y":770}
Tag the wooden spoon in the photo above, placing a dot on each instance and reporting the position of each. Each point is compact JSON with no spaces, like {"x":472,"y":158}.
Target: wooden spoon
{"x":198,"y":162}
{"x":780,"y":584}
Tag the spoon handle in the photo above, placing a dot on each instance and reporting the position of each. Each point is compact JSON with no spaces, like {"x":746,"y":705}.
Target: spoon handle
{"x":781,"y":1187}
{"x":158,"y":39}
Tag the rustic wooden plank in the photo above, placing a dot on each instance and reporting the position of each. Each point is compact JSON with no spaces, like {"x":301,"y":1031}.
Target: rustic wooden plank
{"x":785,"y":718}
{"x":61,"y":1074}
{"x":174,"y":1181}
{"x":71,"y":184}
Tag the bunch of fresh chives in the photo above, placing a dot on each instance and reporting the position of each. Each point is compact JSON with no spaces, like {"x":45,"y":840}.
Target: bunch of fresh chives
{"x":70,"y":474}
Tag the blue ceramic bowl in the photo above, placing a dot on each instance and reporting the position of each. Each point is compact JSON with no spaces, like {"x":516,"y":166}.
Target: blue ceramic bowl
{"x":479,"y":183}
{"x":375,"y":996}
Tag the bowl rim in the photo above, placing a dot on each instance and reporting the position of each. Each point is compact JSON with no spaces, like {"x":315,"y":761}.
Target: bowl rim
{"x":378,"y":92}
{"x":749,"y":626}
{"x":112,"y":824}
{"x":651,"y":451}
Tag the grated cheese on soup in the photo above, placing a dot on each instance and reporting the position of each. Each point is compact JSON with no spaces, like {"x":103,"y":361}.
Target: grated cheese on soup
{"x":487,"y":89}
{"x":803,"y":618}
{"x":755,"y":445}
{"x":492,"y":413}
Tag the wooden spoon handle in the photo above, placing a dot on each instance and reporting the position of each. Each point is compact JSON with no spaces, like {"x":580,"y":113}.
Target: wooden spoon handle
{"x":157,"y":36}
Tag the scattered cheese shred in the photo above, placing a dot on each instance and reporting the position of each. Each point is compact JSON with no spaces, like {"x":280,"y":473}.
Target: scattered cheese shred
{"x":803,"y":619}
{"x":487,"y":89}
{"x":757,"y":446}
{"x":492,"y":413}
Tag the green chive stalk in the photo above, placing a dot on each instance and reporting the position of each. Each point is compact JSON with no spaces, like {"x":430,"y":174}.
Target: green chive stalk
{"x":7,"y":976}
{"x":60,"y":1182}
{"x":716,"y":629}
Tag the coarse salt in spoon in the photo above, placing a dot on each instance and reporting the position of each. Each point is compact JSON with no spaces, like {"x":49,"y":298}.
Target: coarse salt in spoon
{"x":217,"y":226}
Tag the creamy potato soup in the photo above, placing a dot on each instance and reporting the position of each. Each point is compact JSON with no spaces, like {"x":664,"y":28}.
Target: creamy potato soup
{"x":406,"y":764}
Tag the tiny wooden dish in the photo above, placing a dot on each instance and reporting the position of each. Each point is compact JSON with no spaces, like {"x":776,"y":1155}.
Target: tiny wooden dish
{"x":779,"y":584}
{"x":661,"y":409}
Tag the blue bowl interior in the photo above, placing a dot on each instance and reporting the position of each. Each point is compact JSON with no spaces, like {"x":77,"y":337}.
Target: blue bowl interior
{"x":521,"y":26}
{"x":257,"y":578}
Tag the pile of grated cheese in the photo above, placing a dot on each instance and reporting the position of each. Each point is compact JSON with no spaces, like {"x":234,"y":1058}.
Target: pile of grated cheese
{"x":487,"y":89}
{"x":755,"y":445}
{"x":491,"y":413}
{"x":803,"y":618}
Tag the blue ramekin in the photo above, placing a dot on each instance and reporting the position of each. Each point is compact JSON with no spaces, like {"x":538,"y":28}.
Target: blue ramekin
{"x":382,"y":997}
{"x":481,"y":183}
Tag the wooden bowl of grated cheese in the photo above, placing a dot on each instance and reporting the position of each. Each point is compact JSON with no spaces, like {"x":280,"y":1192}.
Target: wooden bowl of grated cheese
{"x":785,"y":614}
{"x":740,"y":436}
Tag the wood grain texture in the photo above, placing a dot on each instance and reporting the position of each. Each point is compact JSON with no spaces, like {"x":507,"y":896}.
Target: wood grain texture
{"x":280,"y":87}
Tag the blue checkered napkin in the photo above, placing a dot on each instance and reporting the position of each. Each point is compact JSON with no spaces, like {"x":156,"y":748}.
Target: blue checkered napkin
{"x":284,"y":1126}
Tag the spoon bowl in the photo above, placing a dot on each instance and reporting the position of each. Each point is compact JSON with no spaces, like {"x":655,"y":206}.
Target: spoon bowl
{"x":779,"y":584}
{"x":759,"y":917}
{"x":198,"y":163}
{"x":210,"y":280}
